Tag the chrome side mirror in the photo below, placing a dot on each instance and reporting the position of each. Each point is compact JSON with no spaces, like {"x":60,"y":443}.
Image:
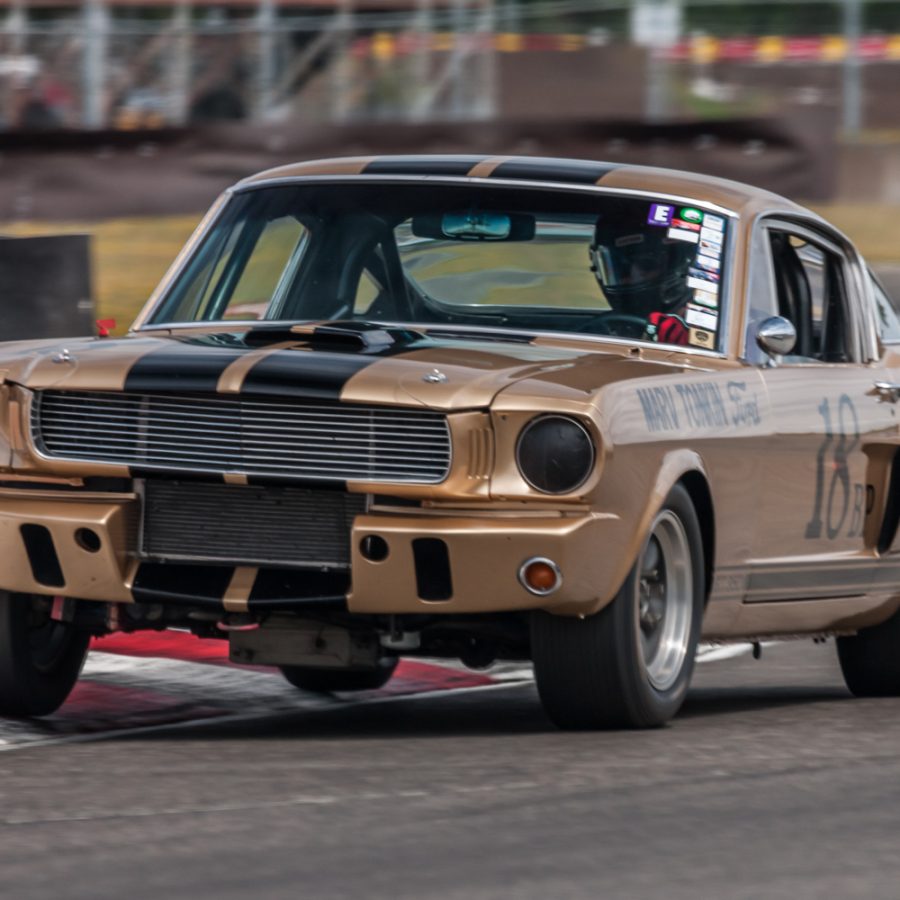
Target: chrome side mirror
{"x":776,"y":336}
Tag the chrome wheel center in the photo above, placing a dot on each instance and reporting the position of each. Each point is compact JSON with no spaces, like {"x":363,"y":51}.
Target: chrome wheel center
{"x":664,"y":606}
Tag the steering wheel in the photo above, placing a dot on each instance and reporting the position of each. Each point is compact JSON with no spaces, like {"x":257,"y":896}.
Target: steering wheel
{"x":606,"y":322}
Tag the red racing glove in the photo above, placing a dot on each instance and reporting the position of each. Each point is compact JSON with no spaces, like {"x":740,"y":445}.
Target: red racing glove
{"x":667,"y":329}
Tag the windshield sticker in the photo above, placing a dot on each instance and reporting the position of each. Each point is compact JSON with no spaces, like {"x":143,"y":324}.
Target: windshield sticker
{"x":710,"y":249}
{"x":704,"y":298}
{"x":700,"y":338}
{"x":708,"y":262}
{"x":714,"y":222}
{"x":701,"y":284}
{"x":660,"y":214}
{"x":679,"y":234}
{"x":685,"y":225}
{"x":700,"y":317}
{"x":711,"y":235}
{"x":692,"y":215}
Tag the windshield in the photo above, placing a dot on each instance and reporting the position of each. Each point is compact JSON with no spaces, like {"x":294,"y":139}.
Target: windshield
{"x":438,"y":254}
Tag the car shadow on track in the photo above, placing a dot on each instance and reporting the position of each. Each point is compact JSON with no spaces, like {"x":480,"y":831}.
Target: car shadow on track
{"x":514,"y":713}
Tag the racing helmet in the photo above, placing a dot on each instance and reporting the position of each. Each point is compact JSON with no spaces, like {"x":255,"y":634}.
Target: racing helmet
{"x":639,"y":268}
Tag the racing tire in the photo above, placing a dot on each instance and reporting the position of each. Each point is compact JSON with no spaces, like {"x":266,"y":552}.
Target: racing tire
{"x":40,"y":659}
{"x":630,"y":665}
{"x":327,"y":681}
{"x":870,"y":660}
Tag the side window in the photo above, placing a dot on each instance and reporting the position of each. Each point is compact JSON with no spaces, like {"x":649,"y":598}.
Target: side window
{"x":271,"y":260}
{"x":366,"y":293}
{"x":887,"y":319}
{"x":811,"y":290}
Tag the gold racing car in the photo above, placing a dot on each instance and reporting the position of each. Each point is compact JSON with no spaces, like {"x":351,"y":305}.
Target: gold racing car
{"x":576,"y":413}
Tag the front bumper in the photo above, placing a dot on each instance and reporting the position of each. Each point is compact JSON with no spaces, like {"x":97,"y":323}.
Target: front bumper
{"x":482,"y":553}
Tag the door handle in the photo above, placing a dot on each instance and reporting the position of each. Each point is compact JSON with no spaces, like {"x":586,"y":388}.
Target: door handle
{"x":887,"y":391}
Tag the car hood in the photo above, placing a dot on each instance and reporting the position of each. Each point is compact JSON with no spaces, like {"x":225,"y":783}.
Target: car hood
{"x":393,"y":366}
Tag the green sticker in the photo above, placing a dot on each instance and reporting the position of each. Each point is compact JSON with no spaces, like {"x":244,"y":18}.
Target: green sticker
{"x":691,"y":215}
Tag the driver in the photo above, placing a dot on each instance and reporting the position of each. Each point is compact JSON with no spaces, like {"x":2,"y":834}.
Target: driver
{"x":643,"y":273}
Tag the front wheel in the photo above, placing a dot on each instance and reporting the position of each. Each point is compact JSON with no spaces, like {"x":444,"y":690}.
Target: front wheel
{"x":326,"y":681}
{"x":630,"y":664}
{"x":40,"y":658}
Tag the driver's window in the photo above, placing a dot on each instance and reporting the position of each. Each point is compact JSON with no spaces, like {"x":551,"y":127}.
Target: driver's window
{"x":810,"y":283}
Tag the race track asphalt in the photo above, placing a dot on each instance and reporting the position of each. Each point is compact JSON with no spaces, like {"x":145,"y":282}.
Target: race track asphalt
{"x":772,"y":783}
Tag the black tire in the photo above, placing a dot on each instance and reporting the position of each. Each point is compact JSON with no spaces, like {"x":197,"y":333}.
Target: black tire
{"x":870,"y":660}
{"x":593,"y":672}
{"x":326,"y":681}
{"x":40,"y":659}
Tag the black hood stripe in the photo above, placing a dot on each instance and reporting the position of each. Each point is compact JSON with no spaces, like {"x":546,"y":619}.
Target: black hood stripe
{"x":182,"y":367}
{"x":304,"y":373}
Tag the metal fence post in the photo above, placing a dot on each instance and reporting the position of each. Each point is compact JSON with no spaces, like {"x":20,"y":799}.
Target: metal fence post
{"x":95,"y":20}
{"x":852,"y":100}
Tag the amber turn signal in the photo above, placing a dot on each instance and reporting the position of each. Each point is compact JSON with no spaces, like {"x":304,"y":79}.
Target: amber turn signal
{"x":540,"y":576}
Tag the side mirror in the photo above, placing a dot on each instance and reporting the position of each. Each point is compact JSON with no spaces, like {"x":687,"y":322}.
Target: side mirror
{"x":776,"y":337}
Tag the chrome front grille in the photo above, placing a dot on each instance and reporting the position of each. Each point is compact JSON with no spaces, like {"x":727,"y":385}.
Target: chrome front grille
{"x":207,"y":434}
{"x":238,"y":524}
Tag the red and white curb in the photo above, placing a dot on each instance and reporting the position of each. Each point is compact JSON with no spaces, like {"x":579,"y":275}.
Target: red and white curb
{"x":139,"y":682}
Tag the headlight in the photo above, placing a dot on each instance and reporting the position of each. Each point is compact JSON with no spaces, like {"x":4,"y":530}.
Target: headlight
{"x":555,"y":454}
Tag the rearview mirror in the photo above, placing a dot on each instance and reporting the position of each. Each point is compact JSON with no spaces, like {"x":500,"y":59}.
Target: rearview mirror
{"x":475,"y":225}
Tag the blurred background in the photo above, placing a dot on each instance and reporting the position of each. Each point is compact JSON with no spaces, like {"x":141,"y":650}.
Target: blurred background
{"x":123,"y":119}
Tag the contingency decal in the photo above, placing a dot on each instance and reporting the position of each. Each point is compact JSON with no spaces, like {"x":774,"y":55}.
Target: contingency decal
{"x":702,"y":404}
{"x":660,"y":214}
{"x":707,"y":232}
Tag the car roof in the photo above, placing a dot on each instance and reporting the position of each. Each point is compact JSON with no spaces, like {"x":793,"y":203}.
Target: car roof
{"x":733,"y":195}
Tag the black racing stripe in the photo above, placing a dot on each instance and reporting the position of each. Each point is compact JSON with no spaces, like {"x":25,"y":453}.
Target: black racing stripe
{"x":184,"y":366}
{"x":304,"y":373}
{"x":540,"y":169}
{"x":423,"y":165}
{"x":181,"y":584}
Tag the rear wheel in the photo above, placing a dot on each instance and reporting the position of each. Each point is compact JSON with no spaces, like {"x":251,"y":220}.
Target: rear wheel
{"x":870,"y":660}
{"x":630,"y":664}
{"x":40,"y":658}
{"x":325,"y":681}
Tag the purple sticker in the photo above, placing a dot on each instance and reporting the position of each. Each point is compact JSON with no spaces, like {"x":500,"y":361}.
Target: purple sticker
{"x":660,"y":214}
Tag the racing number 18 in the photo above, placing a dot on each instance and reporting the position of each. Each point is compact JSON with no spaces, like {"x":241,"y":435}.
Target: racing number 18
{"x":840,"y":490}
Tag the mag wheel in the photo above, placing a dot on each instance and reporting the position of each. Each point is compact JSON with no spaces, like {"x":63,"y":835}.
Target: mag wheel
{"x":324,"y":681}
{"x":40,"y":658}
{"x":870,"y":660}
{"x":630,"y":664}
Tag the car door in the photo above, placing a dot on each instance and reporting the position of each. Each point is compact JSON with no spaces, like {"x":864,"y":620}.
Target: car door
{"x":833,"y":438}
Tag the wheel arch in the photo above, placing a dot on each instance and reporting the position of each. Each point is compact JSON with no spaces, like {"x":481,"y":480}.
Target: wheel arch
{"x":695,"y":483}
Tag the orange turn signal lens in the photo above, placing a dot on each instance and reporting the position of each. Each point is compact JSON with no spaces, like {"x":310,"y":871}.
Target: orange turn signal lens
{"x":540,"y":576}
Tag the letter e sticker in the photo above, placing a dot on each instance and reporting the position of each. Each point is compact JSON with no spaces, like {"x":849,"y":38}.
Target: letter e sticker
{"x":660,"y":214}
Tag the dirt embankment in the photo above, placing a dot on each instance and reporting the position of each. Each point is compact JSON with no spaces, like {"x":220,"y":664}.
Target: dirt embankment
{"x":61,"y":176}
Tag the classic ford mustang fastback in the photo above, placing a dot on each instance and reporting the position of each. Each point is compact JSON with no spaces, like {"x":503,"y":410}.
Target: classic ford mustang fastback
{"x":486,"y":408}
